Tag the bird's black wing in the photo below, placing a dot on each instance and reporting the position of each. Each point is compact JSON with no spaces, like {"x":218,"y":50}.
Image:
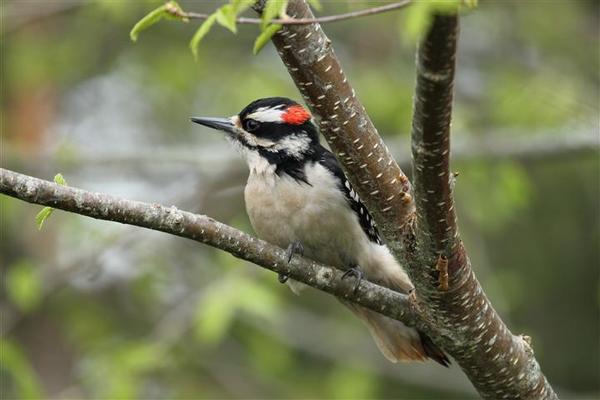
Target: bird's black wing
{"x":328,"y":160}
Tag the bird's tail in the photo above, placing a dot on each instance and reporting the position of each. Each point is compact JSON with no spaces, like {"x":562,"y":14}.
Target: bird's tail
{"x":397,"y":341}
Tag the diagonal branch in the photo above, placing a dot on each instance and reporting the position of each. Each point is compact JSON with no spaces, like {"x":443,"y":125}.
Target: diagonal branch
{"x":498,"y":363}
{"x":460,"y":317}
{"x":208,"y":231}
{"x":436,"y":220}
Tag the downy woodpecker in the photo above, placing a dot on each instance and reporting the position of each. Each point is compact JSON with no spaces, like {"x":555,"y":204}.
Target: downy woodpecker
{"x":297,"y":197}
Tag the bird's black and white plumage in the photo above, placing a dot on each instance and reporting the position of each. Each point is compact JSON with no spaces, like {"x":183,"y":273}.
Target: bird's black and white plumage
{"x":297,"y":192}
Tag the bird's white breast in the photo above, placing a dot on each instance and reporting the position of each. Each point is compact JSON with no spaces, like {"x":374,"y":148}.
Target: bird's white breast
{"x":283,"y":210}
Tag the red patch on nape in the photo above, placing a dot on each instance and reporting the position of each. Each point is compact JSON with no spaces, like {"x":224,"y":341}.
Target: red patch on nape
{"x":295,"y":115}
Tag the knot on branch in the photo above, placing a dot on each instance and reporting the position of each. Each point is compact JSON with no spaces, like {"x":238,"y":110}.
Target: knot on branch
{"x":442,"y":268}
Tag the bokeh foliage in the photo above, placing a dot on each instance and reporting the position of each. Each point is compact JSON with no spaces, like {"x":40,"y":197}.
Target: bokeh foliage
{"x":95,"y":310}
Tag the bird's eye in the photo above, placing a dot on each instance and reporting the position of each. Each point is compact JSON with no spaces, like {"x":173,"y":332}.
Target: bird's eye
{"x":252,"y":125}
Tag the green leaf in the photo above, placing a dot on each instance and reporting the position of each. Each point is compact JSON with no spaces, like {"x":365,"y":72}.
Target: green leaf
{"x":264,"y":37}
{"x":58,"y":178}
{"x":174,"y":11}
{"x":419,"y":16}
{"x":43,"y":215}
{"x":273,"y":9}
{"x":316,"y":4}
{"x":150,"y":19}
{"x":200,"y":33}
{"x":24,"y":285}
{"x":242,"y":5}
{"x":226,"y":17}
{"x":418,"y":20}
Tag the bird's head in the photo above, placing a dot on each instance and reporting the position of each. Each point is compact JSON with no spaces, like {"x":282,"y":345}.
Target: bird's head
{"x":274,"y":129}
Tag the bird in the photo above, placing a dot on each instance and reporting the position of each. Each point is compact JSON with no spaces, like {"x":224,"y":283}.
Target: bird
{"x":298,"y":198}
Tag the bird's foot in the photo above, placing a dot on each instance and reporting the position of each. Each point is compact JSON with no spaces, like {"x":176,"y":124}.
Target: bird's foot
{"x":294,"y":248}
{"x":355,"y":272}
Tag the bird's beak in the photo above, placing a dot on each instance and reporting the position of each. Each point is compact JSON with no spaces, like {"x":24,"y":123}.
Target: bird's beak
{"x":222,"y":124}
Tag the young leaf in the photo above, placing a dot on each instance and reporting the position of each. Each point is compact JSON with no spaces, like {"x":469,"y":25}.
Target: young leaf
{"x":273,"y":9}
{"x":420,"y":16}
{"x":58,"y":178}
{"x":240,"y":6}
{"x":43,"y":215}
{"x":226,"y":17}
{"x":150,"y":19}
{"x":264,"y":37}
{"x":200,"y":33}
{"x":418,"y":19}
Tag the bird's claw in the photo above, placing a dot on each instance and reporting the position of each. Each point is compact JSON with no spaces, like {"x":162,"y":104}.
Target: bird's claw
{"x":294,"y":248}
{"x":355,"y":272}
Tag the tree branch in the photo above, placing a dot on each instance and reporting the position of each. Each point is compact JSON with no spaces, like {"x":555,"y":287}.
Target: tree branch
{"x":301,"y":21}
{"x":461,"y":319}
{"x":208,"y":231}
{"x":436,"y":221}
{"x":499,"y":364}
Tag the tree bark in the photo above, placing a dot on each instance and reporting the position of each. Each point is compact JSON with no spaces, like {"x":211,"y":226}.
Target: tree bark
{"x":461,"y":319}
{"x":498,"y":363}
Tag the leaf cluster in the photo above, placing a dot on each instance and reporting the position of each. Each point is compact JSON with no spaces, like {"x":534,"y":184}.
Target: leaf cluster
{"x":226,"y":16}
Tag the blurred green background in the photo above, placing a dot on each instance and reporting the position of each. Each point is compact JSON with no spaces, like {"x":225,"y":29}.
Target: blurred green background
{"x":92,"y":309}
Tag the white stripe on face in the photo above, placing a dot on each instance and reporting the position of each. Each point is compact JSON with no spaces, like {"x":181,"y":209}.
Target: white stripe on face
{"x":265,"y":114}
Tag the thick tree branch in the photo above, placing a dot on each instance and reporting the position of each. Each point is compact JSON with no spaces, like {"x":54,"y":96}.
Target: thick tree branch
{"x":436,"y":220}
{"x":208,"y":231}
{"x":461,"y":319}
{"x":499,"y":364}
{"x":302,"y":21}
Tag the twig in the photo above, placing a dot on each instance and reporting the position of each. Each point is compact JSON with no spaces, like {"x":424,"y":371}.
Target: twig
{"x":208,"y":231}
{"x":301,"y":21}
